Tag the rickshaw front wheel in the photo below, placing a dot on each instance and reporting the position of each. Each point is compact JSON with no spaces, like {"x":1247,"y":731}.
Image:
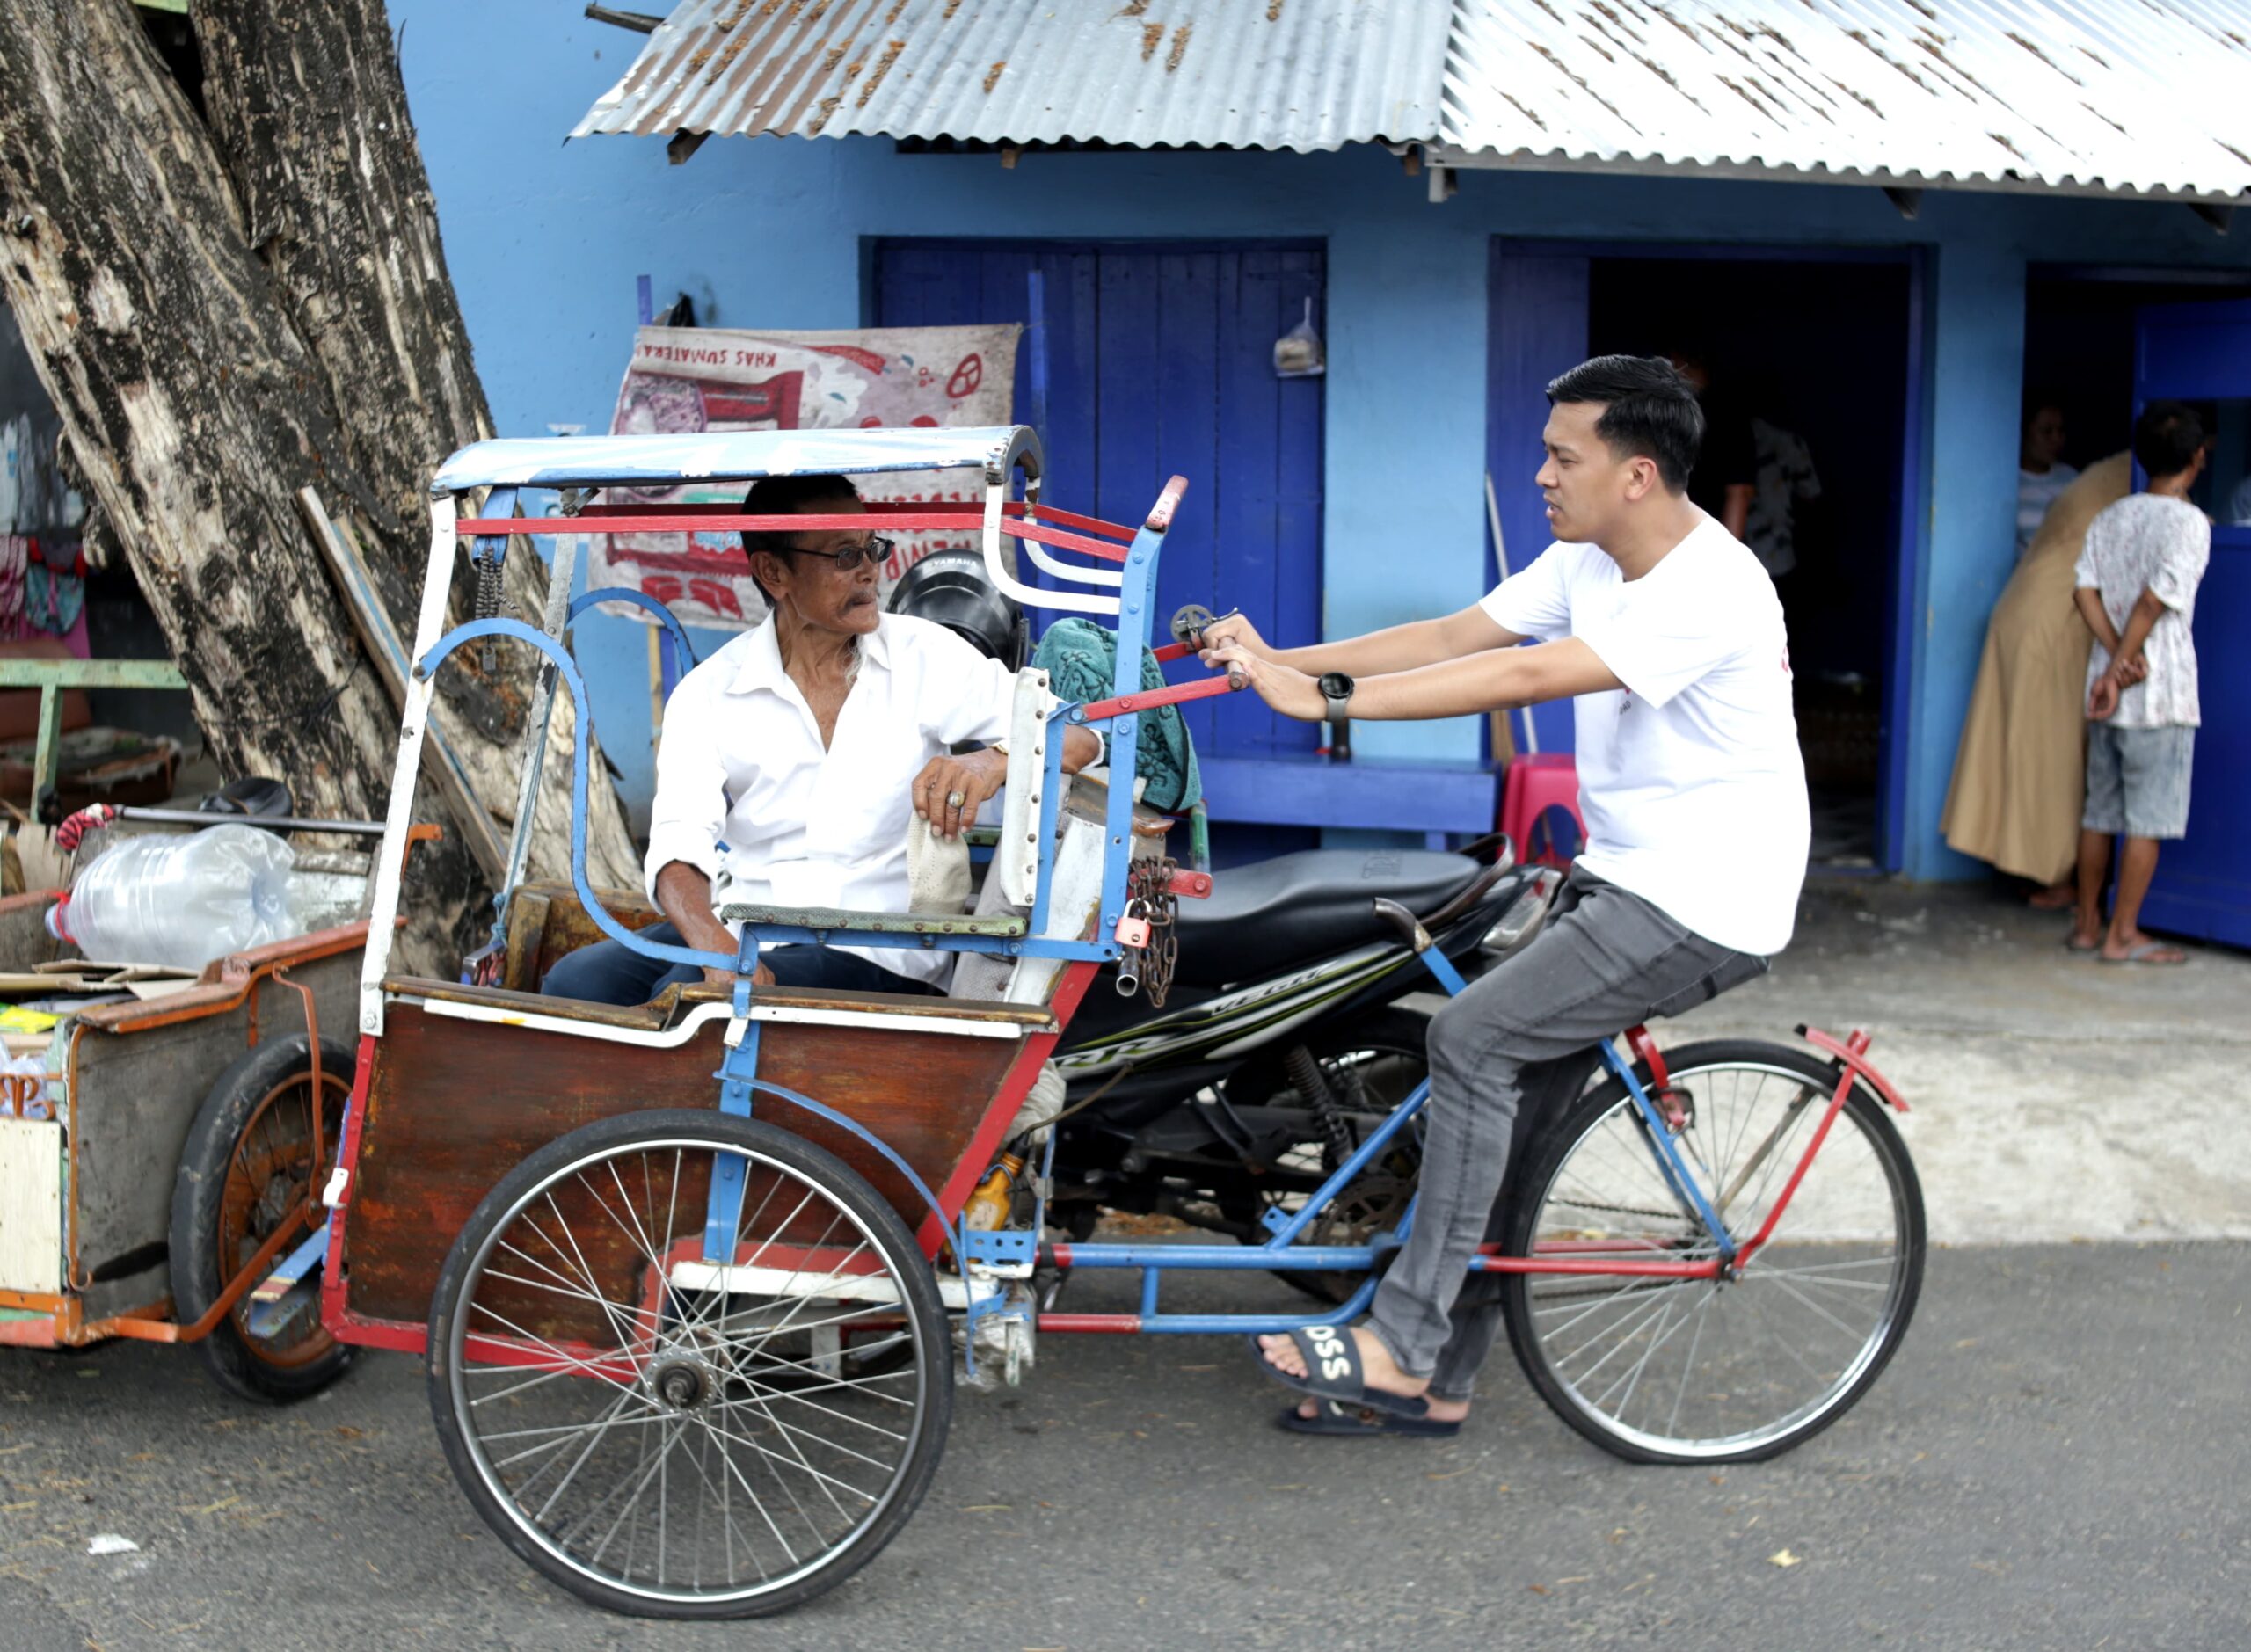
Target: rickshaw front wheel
{"x":674,"y":1402}
{"x":247,"y":1167}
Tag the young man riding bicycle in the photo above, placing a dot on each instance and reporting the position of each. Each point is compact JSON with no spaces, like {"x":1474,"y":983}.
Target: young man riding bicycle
{"x":1667,"y":632}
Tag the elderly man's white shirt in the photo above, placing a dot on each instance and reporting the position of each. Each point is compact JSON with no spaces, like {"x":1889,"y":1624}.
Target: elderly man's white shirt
{"x":746,"y":790}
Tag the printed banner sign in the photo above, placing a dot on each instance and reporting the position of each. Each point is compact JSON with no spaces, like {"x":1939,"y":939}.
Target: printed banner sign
{"x":709,"y":378}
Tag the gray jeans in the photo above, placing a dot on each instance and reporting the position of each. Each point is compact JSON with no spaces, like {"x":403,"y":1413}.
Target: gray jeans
{"x":1511,"y":1048}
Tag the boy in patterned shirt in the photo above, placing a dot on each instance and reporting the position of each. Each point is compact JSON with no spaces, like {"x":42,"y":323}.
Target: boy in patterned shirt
{"x":2137,"y":577}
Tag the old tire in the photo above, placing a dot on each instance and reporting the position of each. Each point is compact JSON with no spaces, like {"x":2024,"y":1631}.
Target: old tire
{"x":247,"y":1164}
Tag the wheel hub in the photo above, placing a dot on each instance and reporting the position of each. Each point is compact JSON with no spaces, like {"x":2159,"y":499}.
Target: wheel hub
{"x":683,"y":1382}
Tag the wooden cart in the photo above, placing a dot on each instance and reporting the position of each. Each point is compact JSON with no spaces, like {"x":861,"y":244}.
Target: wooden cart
{"x":175,"y":1157}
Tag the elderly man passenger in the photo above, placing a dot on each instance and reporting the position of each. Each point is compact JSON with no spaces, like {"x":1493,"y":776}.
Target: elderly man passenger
{"x":793,"y":757}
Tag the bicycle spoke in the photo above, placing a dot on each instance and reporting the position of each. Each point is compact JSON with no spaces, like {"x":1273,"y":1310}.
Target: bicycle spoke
{"x":1717,"y":1366}
{"x":731,"y":1443}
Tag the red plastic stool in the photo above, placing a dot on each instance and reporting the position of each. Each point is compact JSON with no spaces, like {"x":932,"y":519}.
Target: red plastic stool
{"x":1536,"y":787}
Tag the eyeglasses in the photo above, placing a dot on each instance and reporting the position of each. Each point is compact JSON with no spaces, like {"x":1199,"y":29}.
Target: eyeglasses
{"x":874,"y":548}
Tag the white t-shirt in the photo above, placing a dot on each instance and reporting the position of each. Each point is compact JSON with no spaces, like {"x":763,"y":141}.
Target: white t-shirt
{"x":2035,"y":491}
{"x":2147,"y":541}
{"x":1690,"y":781}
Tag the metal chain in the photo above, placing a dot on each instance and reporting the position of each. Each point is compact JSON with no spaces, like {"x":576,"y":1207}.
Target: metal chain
{"x":1148,"y":894}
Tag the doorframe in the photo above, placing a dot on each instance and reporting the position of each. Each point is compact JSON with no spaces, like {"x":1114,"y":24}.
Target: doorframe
{"x":1903,"y":654}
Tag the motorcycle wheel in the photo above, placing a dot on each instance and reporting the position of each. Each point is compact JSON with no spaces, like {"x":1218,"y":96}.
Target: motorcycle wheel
{"x":1373,"y":1063}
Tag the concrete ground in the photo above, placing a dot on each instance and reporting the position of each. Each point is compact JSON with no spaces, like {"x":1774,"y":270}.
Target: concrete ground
{"x":2055,"y":1459}
{"x":2052,"y":1097}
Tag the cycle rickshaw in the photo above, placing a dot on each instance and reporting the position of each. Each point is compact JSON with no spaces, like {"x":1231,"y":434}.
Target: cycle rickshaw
{"x":689,"y":1276}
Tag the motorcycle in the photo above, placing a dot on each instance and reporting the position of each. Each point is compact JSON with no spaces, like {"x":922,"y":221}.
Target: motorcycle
{"x":1291,"y":1032}
{"x":1290,"y":1029}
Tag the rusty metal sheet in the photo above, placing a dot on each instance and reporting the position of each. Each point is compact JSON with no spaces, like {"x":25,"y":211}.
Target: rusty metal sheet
{"x":1248,"y":74}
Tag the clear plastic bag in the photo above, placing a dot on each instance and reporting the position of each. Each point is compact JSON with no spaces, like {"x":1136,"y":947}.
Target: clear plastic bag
{"x":1299,"y":353}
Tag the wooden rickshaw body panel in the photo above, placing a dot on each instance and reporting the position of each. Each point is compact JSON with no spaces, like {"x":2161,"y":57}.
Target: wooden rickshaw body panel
{"x":451,"y":1105}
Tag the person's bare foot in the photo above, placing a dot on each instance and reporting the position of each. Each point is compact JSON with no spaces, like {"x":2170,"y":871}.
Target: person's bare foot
{"x":2084,"y":940}
{"x":2136,"y":948}
{"x":2054,"y":897}
{"x":1378,"y":1370}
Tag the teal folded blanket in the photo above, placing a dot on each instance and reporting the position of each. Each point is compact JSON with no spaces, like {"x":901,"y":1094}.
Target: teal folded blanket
{"x":1080,"y":661}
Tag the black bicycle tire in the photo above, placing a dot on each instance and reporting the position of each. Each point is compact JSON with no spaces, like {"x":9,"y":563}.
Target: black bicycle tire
{"x":197,"y":1272}
{"x":839,"y":1182}
{"x":1557,"y":1141}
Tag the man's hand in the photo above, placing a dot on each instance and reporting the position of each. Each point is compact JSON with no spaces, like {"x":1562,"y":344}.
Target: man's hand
{"x":1233,"y":630}
{"x":950,"y":789}
{"x":2102,"y":698}
{"x":714,"y":977}
{"x":1289,"y":691}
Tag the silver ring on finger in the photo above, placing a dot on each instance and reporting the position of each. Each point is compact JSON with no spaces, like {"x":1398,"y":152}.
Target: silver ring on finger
{"x":954,"y":800}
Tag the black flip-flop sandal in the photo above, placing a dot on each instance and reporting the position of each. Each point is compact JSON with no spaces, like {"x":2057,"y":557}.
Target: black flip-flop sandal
{"x":1332,"y":1362}
{"x":1340,"y":1422}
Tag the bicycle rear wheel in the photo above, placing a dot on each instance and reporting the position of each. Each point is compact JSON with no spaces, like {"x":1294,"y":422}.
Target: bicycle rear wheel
{"x":1662,"y":1370}
{"x":671,"y":1439}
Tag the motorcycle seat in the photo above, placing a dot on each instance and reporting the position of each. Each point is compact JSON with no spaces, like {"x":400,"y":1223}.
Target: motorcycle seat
{"x":1273,"y":915}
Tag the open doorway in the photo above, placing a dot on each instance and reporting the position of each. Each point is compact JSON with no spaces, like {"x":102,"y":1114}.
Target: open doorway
{"x":2079,"y":344}
{"x":1819,"y":345}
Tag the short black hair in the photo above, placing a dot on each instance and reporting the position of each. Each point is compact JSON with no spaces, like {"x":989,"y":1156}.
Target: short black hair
{"x":2037,"y":401}
{"x":2166,"y":437}
{"x":1649,"y":411}
{"x":788,"y":496}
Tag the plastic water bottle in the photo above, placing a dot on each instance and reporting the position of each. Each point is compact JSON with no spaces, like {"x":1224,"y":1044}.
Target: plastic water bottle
{"x":179,"y":901}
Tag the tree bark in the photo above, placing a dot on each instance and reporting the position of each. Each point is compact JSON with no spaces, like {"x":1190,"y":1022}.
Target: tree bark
{"x":226,"y":313}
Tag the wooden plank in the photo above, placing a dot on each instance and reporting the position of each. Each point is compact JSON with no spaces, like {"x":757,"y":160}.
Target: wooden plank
{"x":657,"y":1012}
{"x":1185,"y":416}
{"x":31,"y":1205}
{"x":1299,"y":403}
{"x":350,"y":571}
{"x":1247,"y":574}
{"x":90,"y":674}
{"x":1431,"y":796}
{"x":526,"y":923}
{"x":1537,"y":327}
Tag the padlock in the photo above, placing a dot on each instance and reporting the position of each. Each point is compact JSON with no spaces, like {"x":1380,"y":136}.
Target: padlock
{"x":1133,"y":931}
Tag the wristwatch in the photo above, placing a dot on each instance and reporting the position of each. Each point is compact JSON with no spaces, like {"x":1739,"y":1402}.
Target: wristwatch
{"x":1336,"y":688}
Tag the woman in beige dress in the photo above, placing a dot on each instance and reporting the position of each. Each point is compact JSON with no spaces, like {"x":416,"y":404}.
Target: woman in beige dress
{"x":2019,"y":773}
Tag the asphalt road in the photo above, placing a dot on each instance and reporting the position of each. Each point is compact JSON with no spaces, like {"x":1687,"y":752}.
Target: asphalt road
{"x":2059,"y":1457}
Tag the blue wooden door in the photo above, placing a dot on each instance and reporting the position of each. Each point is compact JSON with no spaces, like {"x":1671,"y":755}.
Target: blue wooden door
{"x":1161,"y":363}
{"x":2202,"y":353}
{"x":1537,"y":329}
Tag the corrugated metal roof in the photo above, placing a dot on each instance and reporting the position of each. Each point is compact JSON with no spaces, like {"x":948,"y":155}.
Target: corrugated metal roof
{"x":1249,"y":74}
{"x":2095,"y":96}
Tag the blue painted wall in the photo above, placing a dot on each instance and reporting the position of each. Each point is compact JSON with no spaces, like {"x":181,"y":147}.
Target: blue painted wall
{"x":544,"y":240}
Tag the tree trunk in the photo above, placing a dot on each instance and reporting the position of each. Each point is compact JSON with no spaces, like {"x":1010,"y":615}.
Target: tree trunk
{"x":226,"y":313}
